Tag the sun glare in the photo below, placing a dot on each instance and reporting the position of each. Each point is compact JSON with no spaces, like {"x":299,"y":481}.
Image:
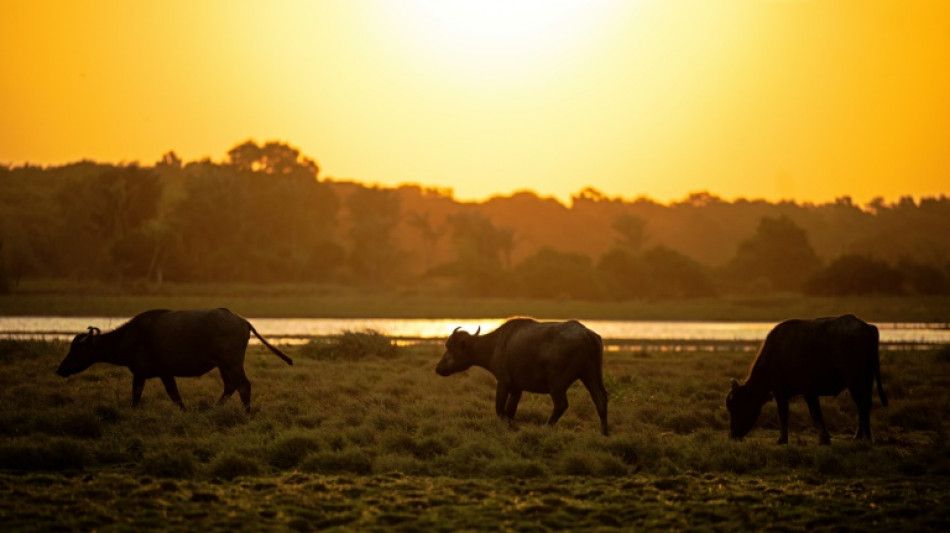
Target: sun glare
{"x":498,"y":37}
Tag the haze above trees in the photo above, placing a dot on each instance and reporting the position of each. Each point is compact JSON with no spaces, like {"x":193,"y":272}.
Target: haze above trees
{"x":264,"y":215}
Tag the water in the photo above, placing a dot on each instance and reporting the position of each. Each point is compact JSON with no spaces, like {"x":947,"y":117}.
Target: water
{"x":613,"y":331}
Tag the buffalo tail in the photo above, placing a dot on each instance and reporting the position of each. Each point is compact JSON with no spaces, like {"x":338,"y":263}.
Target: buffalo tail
{"x":877,"y":373}
{"x":277,"y":352}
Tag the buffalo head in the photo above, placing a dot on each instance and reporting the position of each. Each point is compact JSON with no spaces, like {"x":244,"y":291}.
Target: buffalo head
{"x":82,"y":353}
{"x":458,"y":355}
{"x":744,"y":410}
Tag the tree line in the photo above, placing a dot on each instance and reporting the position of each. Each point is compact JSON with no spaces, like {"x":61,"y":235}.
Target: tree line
{"x":264,"y":215}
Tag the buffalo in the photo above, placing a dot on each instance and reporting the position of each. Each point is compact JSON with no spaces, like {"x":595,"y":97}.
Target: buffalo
{"x":812,"y":358}
{"x":539,"y":357}
{"x":169,"y":344}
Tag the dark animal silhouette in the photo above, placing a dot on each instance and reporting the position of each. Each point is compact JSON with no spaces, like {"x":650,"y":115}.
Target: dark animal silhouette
{"x":813,"y":358}
{"x":540,"y":357}
{"x":168,"y":344}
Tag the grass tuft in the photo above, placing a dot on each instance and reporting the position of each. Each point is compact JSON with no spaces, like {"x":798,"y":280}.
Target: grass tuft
{"x":352,"y":346}
{"x":230,"y":465}
{"x":169,"y":464}
{"x":346,"y":461}
{"x":288,"y":451}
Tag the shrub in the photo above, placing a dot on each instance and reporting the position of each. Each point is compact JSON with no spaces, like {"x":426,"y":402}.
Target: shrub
{"x":167,"y":464}
{"x":590,"y":463}
{"x":351,"y":460}
{"x":59,"y":454}
{"x":231,"y":465}
{"x":14,"y":350}
{"x":289,"y":451}
{"x":73,"y":424}
{"x":518,"y":467}
{"x":352,"y":346}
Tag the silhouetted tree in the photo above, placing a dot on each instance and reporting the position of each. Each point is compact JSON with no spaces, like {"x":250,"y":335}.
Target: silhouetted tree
{"x":853,"y":275}
{"x":624,"y":274}
{"x":672,"y":274}
{"x":480,"y":248}
{"x":632,"y":230}
{"x":552,"y":274}
{"x":926,"y":280}
{"x":431,"y":234}
{"x":779,"y":252}
{"x":106,"y":211}
{"x":374,"y":215}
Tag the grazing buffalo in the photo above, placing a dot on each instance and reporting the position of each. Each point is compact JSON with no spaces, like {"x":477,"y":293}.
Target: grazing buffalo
{"x":812,"y":358}
{"x":168,"y":344}
{"x":540,"y":357}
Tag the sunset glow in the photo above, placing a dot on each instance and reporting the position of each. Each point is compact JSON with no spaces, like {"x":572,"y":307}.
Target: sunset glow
{"x":803,"y":100}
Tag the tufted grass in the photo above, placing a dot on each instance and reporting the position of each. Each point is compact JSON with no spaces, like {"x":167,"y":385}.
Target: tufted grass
{"x":363,"y":421}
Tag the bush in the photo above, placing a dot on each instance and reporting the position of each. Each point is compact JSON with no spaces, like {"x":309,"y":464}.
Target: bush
{"x":60,"y":454}
{"x":590,"y":463}
{"x":231,"y":465}
{"x":350,"y":460}
{"x":289,"y":451}
{"x":352,"y":346}
{"x":72,"y":424}
{"x":14,"y":350}
{"x":855,"y":274}
{"x":516,"y":467}
{"x":167,"y":464}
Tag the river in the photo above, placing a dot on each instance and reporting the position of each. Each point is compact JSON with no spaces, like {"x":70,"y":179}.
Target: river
{"x":614,"y":332}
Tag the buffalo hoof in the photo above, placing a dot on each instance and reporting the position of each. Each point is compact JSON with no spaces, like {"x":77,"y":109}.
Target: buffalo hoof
{"x":782,"y":440}
{"x":824,"y":440}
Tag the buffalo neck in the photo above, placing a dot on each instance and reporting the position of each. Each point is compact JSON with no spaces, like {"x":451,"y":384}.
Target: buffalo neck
{"x":483,"y":351}
{"x":758,"y":382}
{"x":108,"y":348}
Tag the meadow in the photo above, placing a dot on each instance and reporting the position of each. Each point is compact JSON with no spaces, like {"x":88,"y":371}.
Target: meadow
{"x":70,"y":298}
{"x":363,"y":435}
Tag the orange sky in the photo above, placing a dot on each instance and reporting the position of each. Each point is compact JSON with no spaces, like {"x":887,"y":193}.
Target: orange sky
{"x":775,"y":99}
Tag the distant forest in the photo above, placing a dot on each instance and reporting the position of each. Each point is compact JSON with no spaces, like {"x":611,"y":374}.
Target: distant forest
{"x":264,"y":215}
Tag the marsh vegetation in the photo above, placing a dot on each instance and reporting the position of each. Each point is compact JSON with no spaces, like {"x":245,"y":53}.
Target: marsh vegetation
{"x":362,"y":434}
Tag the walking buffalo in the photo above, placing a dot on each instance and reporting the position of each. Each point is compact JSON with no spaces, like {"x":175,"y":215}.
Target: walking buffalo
{"x":812,"y":358}
{"x":169,"y":344}
{"x":539,"y":357}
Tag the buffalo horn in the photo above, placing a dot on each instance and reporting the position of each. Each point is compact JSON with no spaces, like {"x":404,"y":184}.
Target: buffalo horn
{"x":477,"y":331}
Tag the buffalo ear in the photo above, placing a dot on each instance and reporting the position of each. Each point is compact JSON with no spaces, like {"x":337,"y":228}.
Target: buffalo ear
{"x":735,"y":384}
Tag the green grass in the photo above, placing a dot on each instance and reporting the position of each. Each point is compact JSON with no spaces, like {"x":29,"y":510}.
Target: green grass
{"x":374,"y":439}
{"x":64,"y":298}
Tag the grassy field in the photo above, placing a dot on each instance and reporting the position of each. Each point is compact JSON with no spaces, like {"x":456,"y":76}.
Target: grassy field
{"x":361,"y":435}
{"x":320,"y":301}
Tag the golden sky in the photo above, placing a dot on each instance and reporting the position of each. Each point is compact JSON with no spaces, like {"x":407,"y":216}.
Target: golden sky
{"x":774,"y":99}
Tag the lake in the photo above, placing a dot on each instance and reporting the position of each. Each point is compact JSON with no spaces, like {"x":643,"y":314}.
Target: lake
{"x":643,"y":333}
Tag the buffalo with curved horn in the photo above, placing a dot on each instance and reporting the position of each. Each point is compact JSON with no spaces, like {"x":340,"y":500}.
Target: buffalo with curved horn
{"x":539,"y":357}
{"x":168,"y":344}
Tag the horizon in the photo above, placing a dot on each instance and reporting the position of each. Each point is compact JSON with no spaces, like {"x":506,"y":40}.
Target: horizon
{"x":798,"y":101}
{"x":566,"y":202}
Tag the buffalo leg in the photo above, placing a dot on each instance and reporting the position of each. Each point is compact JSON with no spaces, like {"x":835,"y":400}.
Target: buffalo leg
{"x":511,"y":406}
{"x":782,"y":404}
{"x":863,"y":403}
{"x":138,"y":385}
{"x":814,"y":408}
{"x":172,"y":389}
{"x":501,"y":399}
{"x":244,"y":390}
{"x":598,"y":393}
{"x":560,"y":405}
{"x":230,"y":386}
